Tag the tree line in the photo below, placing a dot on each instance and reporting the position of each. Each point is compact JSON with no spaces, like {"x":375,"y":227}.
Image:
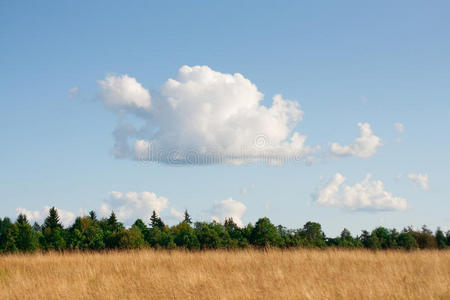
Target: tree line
{"x":91,"y":233}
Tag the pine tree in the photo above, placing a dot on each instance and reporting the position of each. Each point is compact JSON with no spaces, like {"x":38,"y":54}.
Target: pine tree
{"x":440,"y":239}
{"x":52,"y":221}
{"x":52,"y":232}
{"x":8,"y":235}
{"x":26,"y":238}
{"x":187,"y":218}
{"x":37,"y":227}
{"x":156,"y":222}
{"x":93,"y":216}
{"x":112,"y":221}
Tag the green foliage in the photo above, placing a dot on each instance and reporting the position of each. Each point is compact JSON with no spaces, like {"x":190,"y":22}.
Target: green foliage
{"x":160,"y":238}
{"x":184,"y":236}
{"x":156,"y":222}
{"x":37,"y":227}
{"x":8,"y":236}
{"x":382,"y":238}
{"x":93,"y":216}
{"x":265,"y":234}
{"x":313,"y":234}
{"x":141,"y":225}
{"x":52,"y":232}
{"x":440,"y":239}
{"x":130,"y":238}
{"x":238,"y":236}
{"x":425,"y":238}
{"x":86,"y":233}
{"x":187,"y":218}
{"x":214,"y":235}
{"x":407,"y":241}
{"x":89,"y":233}
{"x":345,"y":240}
{"x":27,"y":239}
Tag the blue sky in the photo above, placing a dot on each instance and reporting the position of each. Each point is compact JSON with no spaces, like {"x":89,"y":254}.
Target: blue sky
{"x":345,"y":62}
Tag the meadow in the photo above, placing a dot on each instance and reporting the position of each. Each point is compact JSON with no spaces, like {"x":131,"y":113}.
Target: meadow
{"x":221,"y":274}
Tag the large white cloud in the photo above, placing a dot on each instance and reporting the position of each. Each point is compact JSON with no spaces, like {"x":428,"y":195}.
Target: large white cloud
{"x":420,"y":180}
{"x":203,"y":116}
{"x":66,"y":217}
{"x":365,"y":145}
{"x":365,"y":195}
{"x":131,"y":206}
{"x":228,"y":208}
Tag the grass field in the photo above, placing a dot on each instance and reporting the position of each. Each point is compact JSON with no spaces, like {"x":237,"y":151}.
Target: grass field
{"x":298,"y":274}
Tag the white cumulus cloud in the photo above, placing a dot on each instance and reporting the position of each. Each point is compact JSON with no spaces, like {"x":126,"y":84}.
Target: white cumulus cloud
{"x":124,"y":92}
{"x":66,"y":217}
{"x":201,"y":117}
{"x":228,"y":208}
{"x":365,"y":145}
{"x":365,"y":195}
{"x":420,"y":180}
{"x":131,"y":206}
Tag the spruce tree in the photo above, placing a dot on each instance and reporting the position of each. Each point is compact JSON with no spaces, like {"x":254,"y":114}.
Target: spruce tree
{"x":52,"y":221}
{"x":8,"y":235}
{"x":187,"y":218}
{"x":26,"y":238}
{"x":440,"y":239}
{"x":37,"y":227}
{"x":93,"y":216}
{"x":112,"y":221}
{"x":156,"y":222}
{"x":52,"y":232}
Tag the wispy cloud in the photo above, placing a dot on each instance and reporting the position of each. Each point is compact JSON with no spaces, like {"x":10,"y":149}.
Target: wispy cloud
{"x":73,"y":92}
{"x":420,"y":180}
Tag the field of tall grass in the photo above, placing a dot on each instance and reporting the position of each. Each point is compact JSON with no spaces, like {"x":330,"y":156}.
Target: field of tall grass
{"x":246,"y":274}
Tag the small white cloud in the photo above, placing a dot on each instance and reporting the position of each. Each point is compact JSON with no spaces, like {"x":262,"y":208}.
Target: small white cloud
{"x":364,"y":99}
{"x":228,"y":208}
{"x":399,"y":127}
{"x":420,"y":180}
{"x":131,"y":206}
{"x":177,"y":214}
{"x":365,"y":145}
{"x":246,"y":189}
{"x":365,"y":195}
{"x":124,"y":92}
{"x":66,"y":217}
{"x":73,"y":92}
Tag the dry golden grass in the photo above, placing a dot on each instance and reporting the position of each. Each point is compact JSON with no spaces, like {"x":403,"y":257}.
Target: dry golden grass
{"x":299,"y":274}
